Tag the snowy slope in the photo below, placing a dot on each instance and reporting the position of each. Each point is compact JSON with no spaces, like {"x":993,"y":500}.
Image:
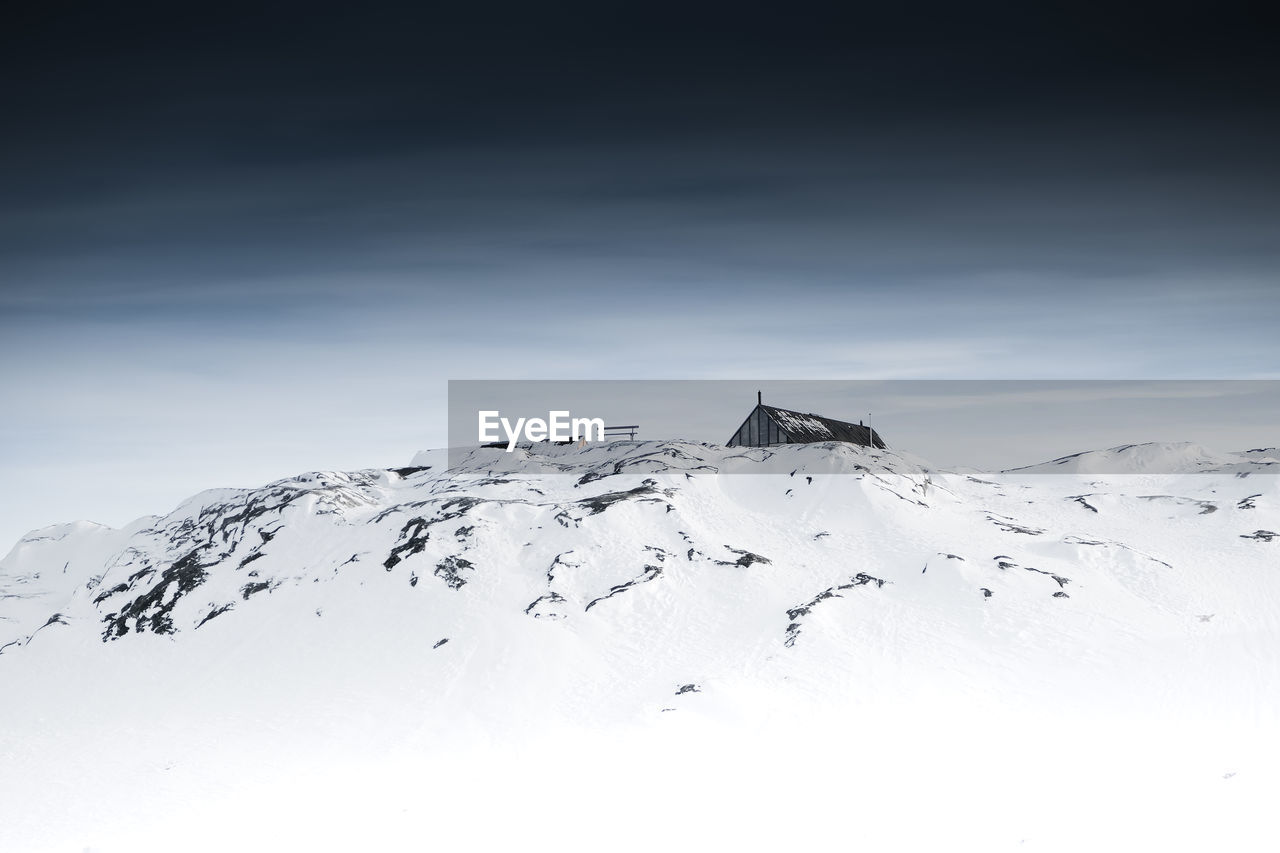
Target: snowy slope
{"x":1160,"y":458}
{"x":720,"y":646}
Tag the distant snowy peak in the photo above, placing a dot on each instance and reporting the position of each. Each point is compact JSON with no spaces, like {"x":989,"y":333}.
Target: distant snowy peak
{"x":1159,"y":458}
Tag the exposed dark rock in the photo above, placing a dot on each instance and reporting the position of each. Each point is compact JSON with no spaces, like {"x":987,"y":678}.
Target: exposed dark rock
{"x":493,"y":481}
{"x":745,"y":558}
{"x":449,"y":509}
{"x":650,"y":573}
{"x":151,"y":610}
{"x":1206,"y":507}
{"x":1080,"y":499}
{"x":688,"y":688}
{"x":450,"y":571}
{"x":549,"y":599}
{"x":413,"y":539}
{"x":1005,"y":524}
{"x":1006,"y":563}
{"x":1061,"y":580}
{"x":257,"y":555}
{"x":55,"y":619}
{"x":409,"y":470}
{"x":1261,"y":535}
{"x":804,"y":609}
{"x":797,"y":613}
{"x":556,"y":562}
{"x":118,"y":588}
{"x":600,"y":503}
{"x":215,"y":612}
{"x":793,"y":631}
{"x":1076,"y":540}
{"x":254,"y":588}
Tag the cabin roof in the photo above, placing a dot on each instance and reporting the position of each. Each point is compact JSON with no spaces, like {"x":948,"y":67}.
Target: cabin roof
{"x":803,"y":427}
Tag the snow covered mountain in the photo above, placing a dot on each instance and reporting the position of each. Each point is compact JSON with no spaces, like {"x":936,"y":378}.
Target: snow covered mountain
{"x":658,"y":643}
{"x":1161,"y":458}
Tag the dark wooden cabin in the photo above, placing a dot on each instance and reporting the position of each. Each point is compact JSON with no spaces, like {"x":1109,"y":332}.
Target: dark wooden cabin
{"x":768,"y":425}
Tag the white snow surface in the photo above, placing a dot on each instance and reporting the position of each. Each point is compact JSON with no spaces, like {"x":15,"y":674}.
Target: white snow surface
{"x":658,"y":645}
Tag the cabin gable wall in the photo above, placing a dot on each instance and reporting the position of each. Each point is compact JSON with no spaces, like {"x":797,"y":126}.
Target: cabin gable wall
{"x":758,"y":430}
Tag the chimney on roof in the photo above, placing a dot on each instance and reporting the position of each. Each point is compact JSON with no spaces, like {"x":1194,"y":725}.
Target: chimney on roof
{"x":759,"y":398}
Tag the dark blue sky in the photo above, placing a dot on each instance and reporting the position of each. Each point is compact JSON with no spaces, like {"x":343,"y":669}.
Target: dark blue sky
{"x":260,"y":240}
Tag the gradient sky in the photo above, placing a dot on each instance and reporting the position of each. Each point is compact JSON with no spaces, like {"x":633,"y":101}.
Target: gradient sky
{"x":237,"y":244}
